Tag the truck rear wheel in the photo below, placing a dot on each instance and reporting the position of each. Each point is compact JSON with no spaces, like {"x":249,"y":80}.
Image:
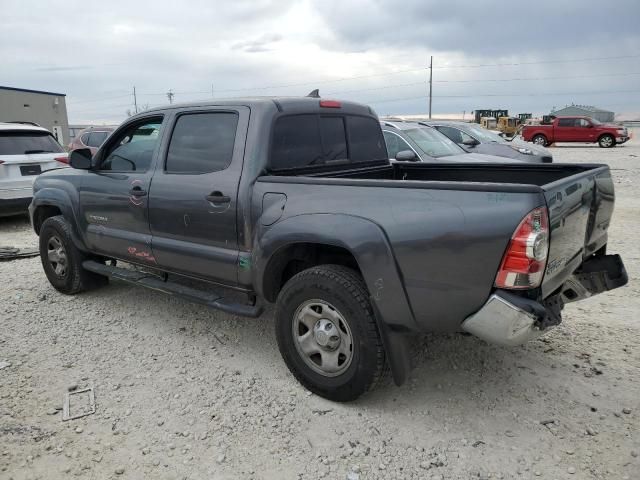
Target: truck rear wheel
{"x":606,"y":141}
{"x":540,"y":140}
{"x":327,"y":333}
{"x":62,"y":261}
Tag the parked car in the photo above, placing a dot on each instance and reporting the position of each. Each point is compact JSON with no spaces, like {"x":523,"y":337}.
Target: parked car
{"x":576,"y":129}
{"x":414,"y":142}
{"x":473,"y":138}
{"x":293,"y":201}
{"x":91,"y":138}
{"x":25,"y":151}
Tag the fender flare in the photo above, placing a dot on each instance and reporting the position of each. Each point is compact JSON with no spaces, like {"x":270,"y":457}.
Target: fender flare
{"x":371,"y":248}
{"x":60,"y":199}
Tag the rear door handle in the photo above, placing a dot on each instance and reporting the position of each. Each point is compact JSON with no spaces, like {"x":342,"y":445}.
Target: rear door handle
{"x":137,"y":192}
{"x":218,"y":197}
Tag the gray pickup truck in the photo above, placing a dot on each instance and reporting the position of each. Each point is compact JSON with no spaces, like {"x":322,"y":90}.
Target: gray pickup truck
{"x":292,"y":201}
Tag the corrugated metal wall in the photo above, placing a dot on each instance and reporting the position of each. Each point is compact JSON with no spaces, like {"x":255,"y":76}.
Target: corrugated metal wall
{"x":576,"y":110}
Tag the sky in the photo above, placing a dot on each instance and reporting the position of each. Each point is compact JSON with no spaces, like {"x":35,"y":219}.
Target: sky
{"x":521,"y":56}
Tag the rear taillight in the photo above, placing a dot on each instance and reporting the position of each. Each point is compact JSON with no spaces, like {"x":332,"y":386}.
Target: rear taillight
{"x":64,"y":160}
{"x":524,"y":261}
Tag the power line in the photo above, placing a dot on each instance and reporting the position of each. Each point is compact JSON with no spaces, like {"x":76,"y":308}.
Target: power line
{"x":539,"y":78}
{"x":569,"y":94}
{"x":412,"y":84}
{"x":542,"y":62}
{"x":412,"y":70}
{"x":398,"y":85}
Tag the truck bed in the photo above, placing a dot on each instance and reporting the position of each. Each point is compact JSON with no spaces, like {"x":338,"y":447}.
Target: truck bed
{"x":449,"y":225}
{"x":515,"y":174}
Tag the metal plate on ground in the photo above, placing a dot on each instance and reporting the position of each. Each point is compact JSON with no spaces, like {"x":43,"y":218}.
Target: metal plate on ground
{"x":82,"y":394}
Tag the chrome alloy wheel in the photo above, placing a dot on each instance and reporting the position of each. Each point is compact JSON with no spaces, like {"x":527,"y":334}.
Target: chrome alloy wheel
{"x":322,"y":338}
{"x":57,"y":256}
{"x":606,"y":141}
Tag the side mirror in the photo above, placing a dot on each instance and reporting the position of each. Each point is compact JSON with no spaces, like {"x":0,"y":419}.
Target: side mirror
{"x":80,"y":159}
{"x":407,"y":156}
{"x":470,"y":142}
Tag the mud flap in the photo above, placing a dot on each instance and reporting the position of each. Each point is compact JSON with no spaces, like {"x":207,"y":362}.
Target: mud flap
{"x":396,"y":346}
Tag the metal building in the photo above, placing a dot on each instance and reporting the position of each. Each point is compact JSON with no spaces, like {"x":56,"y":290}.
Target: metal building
{"x":587,"y":111}
{"x":47,"y":109}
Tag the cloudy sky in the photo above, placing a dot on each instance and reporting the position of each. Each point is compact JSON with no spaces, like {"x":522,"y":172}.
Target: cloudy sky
{"x":523,"y":56}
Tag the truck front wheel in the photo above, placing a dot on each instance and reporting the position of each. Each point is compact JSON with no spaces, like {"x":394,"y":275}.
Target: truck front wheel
{"x":62,"y":261}
{"x":606,"y":141}
{"x":327,"y":333}
{"x":540,"y":140}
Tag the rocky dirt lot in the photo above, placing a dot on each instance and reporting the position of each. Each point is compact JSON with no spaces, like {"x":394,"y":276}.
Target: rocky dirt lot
{"x":183,"y":392}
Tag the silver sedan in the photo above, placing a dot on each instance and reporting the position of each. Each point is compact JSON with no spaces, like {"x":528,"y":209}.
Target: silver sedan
{"x":475,"y":139}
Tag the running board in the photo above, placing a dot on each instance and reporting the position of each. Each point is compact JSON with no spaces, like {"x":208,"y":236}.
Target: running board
{"x":149,"y":280}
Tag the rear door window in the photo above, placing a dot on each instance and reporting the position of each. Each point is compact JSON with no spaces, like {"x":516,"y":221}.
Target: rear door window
{"x":394,"y":143}
{"x":202,"y":143}
{"x":26,"y":142}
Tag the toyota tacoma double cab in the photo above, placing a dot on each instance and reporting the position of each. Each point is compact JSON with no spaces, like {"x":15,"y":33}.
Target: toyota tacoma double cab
{"x":576,"y":129}
{"x":236,"y":204}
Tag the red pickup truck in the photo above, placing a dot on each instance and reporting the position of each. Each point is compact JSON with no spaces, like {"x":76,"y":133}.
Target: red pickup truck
{"x":576,"y":129}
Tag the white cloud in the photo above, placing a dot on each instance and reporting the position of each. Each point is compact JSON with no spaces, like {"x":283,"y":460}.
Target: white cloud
{"x":97,"y":52}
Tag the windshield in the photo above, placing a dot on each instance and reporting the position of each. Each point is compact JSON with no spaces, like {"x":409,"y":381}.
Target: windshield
{"x":26,"y":142}
{"x":433,"y":143}
{"x":483,"y":134}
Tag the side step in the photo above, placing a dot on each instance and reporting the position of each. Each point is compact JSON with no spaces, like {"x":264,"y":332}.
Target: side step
{"x":211,"y":299}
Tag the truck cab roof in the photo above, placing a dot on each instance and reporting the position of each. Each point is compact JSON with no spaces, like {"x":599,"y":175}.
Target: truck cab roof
{"x":282,"y":104}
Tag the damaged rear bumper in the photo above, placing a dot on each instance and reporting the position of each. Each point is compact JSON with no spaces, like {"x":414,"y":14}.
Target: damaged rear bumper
{"x":508,"y":319}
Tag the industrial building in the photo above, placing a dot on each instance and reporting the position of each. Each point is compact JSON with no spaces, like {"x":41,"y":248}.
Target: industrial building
{"x":604,"y":116}
{"x":47,"y":109}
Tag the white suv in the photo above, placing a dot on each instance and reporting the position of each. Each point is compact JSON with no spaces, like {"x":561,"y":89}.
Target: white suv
{"x":25,"y":152}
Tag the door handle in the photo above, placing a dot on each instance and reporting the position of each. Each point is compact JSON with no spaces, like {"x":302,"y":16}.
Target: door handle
{"x":137,"y":192}
{"x":218,"y":197}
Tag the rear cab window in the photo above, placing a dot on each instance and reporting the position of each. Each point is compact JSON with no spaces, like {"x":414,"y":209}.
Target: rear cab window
{"x":25,"y":142}
{"x":308,"y":140}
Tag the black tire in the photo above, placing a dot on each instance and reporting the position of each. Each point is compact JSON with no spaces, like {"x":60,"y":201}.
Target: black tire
{"x":344,"y":289}
{"x":540,"y":140}
{"x":66,"y":276}
{"x":607,"y":141}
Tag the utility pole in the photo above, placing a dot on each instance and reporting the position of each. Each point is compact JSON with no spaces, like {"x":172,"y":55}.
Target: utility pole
{"x":135,"y":99}
{"x":212,"y":95}
{"x":170,"y":95}
{"x":430,"y":84}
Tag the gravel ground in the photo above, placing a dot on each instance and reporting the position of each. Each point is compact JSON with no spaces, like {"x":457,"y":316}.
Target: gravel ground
{"x":183,"y":392}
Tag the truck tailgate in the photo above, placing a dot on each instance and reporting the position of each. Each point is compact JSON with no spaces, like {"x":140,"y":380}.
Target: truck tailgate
{"x":580,"y":210}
